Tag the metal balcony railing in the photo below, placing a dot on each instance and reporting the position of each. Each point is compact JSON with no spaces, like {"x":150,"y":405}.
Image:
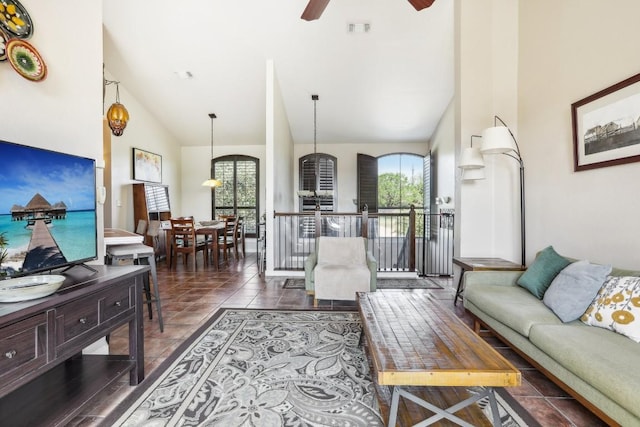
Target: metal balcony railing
{"x":400,"y":241}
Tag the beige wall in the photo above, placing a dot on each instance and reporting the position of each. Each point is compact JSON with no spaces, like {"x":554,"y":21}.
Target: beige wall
{"x":582,"y":47}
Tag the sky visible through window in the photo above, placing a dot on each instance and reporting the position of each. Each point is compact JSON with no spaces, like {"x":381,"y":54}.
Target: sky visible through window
{"x":400,"y":192}
{"x":407,"y":164}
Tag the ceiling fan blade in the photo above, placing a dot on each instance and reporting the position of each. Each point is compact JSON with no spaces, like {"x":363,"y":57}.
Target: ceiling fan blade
{"x":421,"y":4}
{"x":314,"y":9}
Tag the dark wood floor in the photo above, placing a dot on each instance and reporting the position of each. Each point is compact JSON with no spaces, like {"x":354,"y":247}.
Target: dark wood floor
{"x":190,"y":298}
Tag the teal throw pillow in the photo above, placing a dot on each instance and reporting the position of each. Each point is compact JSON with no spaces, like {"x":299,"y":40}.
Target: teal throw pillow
{"x":541,"y":273}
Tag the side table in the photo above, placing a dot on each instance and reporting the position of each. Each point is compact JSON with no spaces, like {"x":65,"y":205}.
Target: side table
{"x":479,"y":264}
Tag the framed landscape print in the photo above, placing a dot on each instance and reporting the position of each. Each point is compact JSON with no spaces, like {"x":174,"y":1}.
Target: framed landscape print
{"x":147,"y":166}
{"x":606,"y":126}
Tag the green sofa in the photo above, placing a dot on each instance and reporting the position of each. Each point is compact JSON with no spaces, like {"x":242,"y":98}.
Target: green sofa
{"x":597,"y":366}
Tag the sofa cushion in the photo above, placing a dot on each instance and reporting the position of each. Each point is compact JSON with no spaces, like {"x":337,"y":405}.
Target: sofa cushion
{"x":574,"y":288}
{"x":544,"y":269}
{"x":617,"y":307}
{"x":603,"y":359}
{"x":511,"y":305}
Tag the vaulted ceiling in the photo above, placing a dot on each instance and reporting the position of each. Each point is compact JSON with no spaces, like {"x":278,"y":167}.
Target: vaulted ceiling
{"x":390,"y":84}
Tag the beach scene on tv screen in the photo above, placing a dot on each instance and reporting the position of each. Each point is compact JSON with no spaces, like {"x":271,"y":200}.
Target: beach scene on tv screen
{"x":47,"y":209}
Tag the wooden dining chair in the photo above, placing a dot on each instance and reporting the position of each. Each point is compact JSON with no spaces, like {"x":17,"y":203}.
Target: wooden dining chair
{"x":239,"y":237}
{"x":185,"y":241}
{"x":227,"y":239}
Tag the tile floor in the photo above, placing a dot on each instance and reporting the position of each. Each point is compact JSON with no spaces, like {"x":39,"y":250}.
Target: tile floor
{"x":189,"y":298}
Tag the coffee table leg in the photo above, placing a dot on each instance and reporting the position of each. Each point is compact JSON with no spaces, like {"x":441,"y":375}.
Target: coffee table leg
{"x":440,"y":413}
{"x":393,"y":411}
{"x":494,"y":407}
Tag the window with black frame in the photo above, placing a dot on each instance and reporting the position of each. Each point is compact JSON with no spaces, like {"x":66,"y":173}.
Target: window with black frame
{"x":239,"y":194}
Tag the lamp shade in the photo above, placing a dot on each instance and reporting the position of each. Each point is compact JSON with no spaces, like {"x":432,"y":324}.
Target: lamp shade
{"x":471,"y":158}
{"x":472,"y":174}
{"x":497,"y":140}
{"x":212,"y":183}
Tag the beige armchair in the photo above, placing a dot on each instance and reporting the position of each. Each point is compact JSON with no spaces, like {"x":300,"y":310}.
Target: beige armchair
{"x":340,"y":267}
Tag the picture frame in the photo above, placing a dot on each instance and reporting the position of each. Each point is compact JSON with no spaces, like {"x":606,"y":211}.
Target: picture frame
{"x":147,"y":166}
{"x":606,"y":126}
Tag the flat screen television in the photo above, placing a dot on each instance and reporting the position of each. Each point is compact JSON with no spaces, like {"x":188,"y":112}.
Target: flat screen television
{"x":47,"y":210}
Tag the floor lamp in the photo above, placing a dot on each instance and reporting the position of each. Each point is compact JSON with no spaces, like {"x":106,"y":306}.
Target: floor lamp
{"x":500,"y":140}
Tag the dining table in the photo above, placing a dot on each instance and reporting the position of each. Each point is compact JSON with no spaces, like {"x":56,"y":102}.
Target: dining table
{"x":210,"y":232}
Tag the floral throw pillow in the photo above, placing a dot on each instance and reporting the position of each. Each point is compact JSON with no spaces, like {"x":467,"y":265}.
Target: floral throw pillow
{"x":617,"y":307}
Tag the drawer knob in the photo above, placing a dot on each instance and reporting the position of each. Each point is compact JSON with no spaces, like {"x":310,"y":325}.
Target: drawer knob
{"x":83,"y":320}
{"x":10,"y":354}
{"x":118,"y":304}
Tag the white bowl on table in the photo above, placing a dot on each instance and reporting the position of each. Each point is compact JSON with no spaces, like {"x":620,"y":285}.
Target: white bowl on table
{"x":29,"y":287}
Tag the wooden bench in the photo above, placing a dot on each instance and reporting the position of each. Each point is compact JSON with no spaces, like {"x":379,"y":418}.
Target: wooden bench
{"x":413,"y":341}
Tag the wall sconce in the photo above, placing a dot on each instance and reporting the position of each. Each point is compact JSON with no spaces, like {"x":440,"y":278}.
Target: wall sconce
{"x":117,"y":114}
{"x":471,"y":162}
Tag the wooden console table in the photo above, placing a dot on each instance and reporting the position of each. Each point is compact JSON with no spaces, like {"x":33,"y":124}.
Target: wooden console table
{"x":415,"y":341}
{"x":480,"y":264}
{"x":44,"y":378}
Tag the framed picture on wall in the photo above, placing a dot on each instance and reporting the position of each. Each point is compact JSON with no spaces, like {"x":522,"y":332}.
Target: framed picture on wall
{"x":147,"y":166}
{"x":606,"y":126}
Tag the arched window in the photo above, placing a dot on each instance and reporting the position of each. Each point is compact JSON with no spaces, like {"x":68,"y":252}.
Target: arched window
{"x":319,"y":179}
{"x":239,"y":192}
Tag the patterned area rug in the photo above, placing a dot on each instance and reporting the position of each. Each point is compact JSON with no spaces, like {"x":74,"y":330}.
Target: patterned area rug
{"x":419,"y":283}
{"x":261,"y":368}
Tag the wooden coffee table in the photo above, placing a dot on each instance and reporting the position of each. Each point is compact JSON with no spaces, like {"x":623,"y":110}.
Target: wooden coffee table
{"x":415,"y":341}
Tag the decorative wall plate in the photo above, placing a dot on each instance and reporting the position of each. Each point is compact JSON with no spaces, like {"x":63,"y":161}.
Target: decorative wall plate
{"x":15,"y":20}
{"x":3,"y":45}
{"x":29,"y":287}
{"x":26,"y":60}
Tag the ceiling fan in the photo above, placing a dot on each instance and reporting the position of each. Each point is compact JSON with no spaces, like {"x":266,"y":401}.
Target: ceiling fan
{"x":315,"y":7}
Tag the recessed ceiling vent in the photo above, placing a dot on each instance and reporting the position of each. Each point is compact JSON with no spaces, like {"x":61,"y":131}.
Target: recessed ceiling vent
{"x":358,"y":27}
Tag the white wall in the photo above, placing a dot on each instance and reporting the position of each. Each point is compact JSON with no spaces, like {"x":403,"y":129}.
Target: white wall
{"x":582,"y":47}
{"x":487,"y":220}
{"x":443,"y":156}
{"x":196,"y":167}
{"x":347,"y":155}
{"x":64,"y":111}
{"x":145,"y":132}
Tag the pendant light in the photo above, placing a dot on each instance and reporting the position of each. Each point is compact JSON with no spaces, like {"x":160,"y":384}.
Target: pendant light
{"x":117,"y":115}
{"x":212,"y":182}
{"x":316,"y":192}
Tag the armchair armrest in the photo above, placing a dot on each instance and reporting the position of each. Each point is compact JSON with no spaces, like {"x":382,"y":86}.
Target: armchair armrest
{"x":309,"y":265}
{"x":373,"y":267}
{"x":501,"y":278}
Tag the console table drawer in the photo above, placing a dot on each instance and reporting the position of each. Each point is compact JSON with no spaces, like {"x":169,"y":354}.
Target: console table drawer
{"x":76,"y":318}
{"x":116,"y":302}
{"x":23,"y":347}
